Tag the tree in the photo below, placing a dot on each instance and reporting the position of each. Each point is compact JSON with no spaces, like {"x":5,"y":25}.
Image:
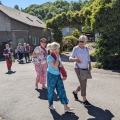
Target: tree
{"x":49,"y":16}
{"x":101,"y":16}
{"x":16,"y":7}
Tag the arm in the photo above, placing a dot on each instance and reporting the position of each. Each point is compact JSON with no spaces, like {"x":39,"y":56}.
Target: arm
{"x":35,"y":54}
{"x":55,"y":64}
{"x":4,"y":53}
{"x":72,"y":57}
{"x":90,"y":67}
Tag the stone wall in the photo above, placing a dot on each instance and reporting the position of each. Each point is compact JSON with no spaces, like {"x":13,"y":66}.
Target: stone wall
{"x":4,"y":22}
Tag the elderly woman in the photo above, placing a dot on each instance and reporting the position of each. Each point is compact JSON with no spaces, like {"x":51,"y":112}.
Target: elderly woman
{"x":81,"y":58}
{"x":54,"y":80}
{"x":8,"y":56}
{"x":20,"y":51}
{"x":40,"y":54}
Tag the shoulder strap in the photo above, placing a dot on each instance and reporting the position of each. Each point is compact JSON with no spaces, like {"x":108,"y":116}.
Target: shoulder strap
{"x":87,"y":49}
{"x":77,"y":65}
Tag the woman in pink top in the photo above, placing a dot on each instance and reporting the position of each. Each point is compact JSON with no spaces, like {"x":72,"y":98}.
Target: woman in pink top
{"x":40,"y":54}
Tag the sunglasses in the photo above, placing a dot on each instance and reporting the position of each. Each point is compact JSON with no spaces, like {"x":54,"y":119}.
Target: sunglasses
{"x":43,"y":42}
{"x":81,"y":41}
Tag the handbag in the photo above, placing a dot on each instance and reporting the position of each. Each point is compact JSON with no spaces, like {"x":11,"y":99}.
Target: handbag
{"x":13,"y":59}
{"x":84,"y":73}
{"x":63,"y":73}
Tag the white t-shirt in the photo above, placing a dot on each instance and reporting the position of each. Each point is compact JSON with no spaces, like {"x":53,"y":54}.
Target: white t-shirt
{"x":82,"y":55}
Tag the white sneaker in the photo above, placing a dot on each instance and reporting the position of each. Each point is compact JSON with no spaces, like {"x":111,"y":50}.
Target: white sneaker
{"x":52,"y":107}
{"x":68,"y":109}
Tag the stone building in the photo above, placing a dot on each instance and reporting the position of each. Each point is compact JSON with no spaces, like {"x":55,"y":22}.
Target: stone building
{"x":19,"y":27}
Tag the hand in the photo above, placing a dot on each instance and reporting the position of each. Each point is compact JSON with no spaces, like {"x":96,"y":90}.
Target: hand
{"x":77,"y":60}
{"x":41,"y":52}
{"x":90,"y":68}
{"x":57,"y":55}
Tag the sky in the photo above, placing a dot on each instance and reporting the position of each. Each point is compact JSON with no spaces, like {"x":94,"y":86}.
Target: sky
{"x":25,"y":3}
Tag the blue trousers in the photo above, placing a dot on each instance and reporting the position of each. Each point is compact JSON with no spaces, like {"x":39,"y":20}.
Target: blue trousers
{"x":54,"y":81}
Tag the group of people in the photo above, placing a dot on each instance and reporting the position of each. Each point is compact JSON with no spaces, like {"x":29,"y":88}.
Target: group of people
{"x":47,"y":61}
{"x":24,"y":51}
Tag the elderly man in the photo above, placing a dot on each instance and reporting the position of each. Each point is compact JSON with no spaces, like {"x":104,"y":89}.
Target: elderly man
{"x":26,"y":52}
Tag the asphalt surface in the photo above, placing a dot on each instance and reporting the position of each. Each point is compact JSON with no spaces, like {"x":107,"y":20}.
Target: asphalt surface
{"x":20,"y":101}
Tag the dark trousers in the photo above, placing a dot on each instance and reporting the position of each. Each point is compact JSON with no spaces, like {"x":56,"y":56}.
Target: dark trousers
{"x":9,"y":63}
{"x":20,"y":56}
{"x":26,"y":56}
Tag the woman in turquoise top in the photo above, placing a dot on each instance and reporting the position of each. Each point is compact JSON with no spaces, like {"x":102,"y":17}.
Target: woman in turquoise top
{"x":54,"y":80}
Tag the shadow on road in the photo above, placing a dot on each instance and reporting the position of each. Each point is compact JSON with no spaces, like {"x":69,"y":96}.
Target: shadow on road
{"x":99,"y":114}
{"x":44,"y":93}
{"x":66,"y":116}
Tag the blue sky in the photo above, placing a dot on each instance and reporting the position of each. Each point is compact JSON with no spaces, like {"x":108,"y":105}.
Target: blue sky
{"x":25,"y":3}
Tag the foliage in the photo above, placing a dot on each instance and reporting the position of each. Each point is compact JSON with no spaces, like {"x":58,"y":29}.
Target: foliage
{"x":108,"y":50}
{"x":76,"y":33}
{"x":102,"y":16}
{"x":97,"y":65}
{"x":16,"y":7}
{"x":51,"y":9}
{"x":58,"y":37}
{"x":69,"y":42}
{"x":86,"y":29}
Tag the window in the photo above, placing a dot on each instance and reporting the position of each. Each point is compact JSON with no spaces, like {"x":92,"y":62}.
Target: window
{"x":21,"y":40}
{"x":67,"y":30}
{"x":34,"y":41}
{"x":38,"y":21}
{"x":29,"y":19}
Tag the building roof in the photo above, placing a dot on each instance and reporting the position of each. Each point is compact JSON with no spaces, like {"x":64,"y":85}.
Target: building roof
{"x":22,"y":17}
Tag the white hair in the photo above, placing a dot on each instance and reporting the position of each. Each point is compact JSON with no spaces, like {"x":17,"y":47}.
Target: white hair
{"x":52,"y":46}
{"x":83,"y":37}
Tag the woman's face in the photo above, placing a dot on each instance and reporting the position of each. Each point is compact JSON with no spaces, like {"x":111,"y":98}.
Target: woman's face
{"x":82,"y":42}
{"x":7,"y":46}
{"x":57,"y":50}
{"x":43,"y":43}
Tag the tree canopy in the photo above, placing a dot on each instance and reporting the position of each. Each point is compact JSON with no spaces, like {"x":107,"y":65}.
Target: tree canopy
{"x":102,"y":16}
{"x":50,"y":9}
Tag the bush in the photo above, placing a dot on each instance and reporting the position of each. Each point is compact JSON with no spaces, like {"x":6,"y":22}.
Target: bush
{"x":76,"y":33}
{"x":70,"y":42}
{"x":97,"y":65}
{"x":108,"y":50}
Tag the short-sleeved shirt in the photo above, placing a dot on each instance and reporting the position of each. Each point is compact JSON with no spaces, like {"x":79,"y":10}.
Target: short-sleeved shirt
{"x":82,"y":55}
{"x":7,"y":51}
{"x":42,"y":56}
{"x":50,"y":68}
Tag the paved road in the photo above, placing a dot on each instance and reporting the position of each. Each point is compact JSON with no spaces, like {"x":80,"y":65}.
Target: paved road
{"x":20,"y":101}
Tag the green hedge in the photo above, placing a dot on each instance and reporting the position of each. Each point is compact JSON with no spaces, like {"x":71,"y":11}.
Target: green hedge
{"x":72,"y":41}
